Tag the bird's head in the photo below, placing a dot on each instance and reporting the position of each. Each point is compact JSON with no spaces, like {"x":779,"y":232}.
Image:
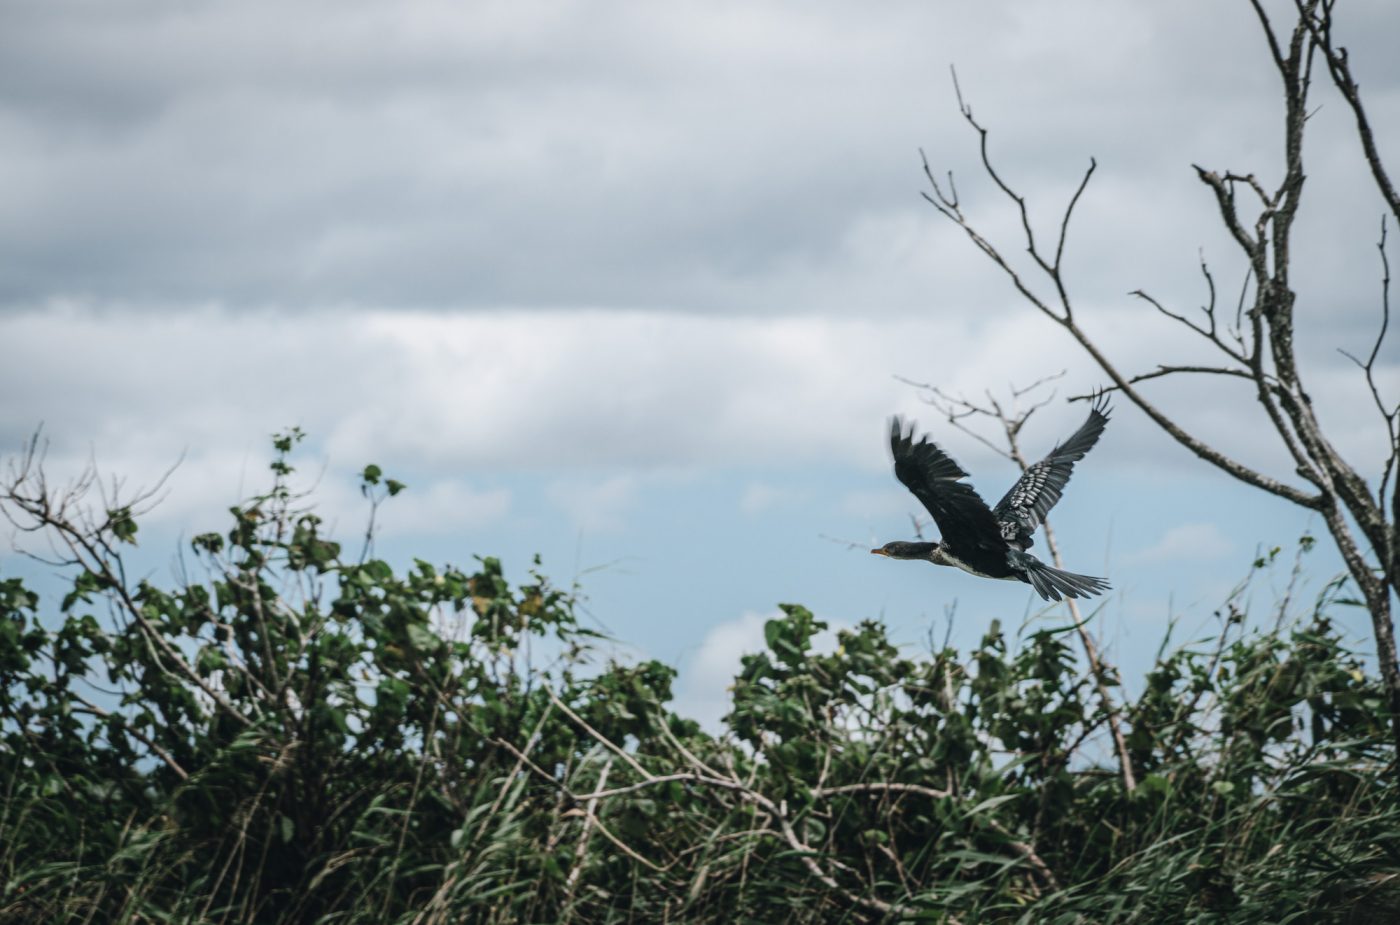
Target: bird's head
{"x":902,"y":550}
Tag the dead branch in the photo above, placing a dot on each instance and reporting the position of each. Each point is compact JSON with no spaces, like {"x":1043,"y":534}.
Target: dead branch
{"x":145,"y":740}
{"x":881,"y":787}
{"x":1064,"y":317}
{"x":1388,"y":414}
{"x":1161,"y":371}
{"x":1317,"y":18}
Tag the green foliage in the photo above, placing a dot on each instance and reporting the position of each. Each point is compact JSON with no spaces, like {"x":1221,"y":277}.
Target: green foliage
{"x":301,"y":737}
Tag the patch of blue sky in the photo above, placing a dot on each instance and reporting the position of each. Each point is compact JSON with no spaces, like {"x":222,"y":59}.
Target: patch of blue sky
{"x":667,"y":559}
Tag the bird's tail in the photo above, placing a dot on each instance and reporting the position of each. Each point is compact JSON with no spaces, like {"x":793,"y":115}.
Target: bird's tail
{"x":1052,"y":583}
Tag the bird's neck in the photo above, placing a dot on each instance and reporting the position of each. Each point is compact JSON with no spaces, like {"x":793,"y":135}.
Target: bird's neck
{"x":933,"y":552}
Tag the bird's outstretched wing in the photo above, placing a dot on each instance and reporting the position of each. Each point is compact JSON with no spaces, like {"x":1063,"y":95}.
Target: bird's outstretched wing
{"x":963,"y":518}
{"x":1035,"y":493}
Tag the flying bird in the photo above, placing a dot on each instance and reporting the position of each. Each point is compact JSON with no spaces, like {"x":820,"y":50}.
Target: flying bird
{"x":992,"y":542}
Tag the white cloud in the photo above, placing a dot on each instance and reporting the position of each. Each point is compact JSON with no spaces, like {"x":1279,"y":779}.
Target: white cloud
{"x":1194,"y":541}
{"x":756,"y":157}
{"x":877,"y":505}
{"x":703,"y":691}
{"x":450,"y":395}
{"x":441,"y":507}
{"x":595,"y":506}
{"x":763,"y":496}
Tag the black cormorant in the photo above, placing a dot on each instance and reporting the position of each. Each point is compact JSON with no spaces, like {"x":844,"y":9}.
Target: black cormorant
{"x":992,"y":542}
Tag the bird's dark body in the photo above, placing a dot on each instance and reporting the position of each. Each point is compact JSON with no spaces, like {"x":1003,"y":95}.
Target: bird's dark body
{"x":992,"y":542}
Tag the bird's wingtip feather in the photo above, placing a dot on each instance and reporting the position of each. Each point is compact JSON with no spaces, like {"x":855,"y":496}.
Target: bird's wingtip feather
{"x":1100,"y":404}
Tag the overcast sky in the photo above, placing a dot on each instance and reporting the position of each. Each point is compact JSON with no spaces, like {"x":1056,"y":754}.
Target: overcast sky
{"x":629,"y":284}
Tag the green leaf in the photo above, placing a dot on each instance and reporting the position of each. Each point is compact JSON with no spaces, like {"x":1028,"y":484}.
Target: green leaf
{"x":211,"y":543}
{"x":422,"y":637}
{"x":992,"y":803}
{"x":122,"y":525}
{"x":209,"y":659}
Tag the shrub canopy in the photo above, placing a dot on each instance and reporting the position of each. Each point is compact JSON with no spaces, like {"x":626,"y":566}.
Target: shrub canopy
{"x":301,"y":735}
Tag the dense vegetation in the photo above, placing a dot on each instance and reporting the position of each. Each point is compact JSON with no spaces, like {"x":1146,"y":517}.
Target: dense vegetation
{"x":297,"y":734}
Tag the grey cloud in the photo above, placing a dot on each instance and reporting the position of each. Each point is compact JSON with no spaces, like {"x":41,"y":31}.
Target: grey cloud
{"x":700,"y":157}
{"x":659,"y":236}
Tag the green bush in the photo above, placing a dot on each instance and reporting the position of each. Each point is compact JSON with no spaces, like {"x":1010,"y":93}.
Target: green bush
{"x":304,"y":736}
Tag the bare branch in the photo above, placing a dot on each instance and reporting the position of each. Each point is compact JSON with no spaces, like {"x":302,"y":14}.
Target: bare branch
{"x":1389,"y":415}
{"x":881,"y":787}
{"x":1224,"y":192}
{"x":1065,"y":317}
{"x":1069,"y":211}
{"x":1027,"y":851}
{"x":849,"y":544}
{"x":597,"y":736}
{"x":1161,"y":371}
{"x":146,"y":740}
{"x":1025,"y":390}
{"x":1318,"y":19}
{"x":1268,"y":33}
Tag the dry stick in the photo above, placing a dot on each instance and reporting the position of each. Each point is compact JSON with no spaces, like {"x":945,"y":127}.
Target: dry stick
{"x":881,"y":787}
{"x":1388,"y":415}
{"x":1091,"y":651}
{"x":408,"y":813}
{"x":1096,"y":664}
{"x":598,"y":736}
{"x":1012,"y":423}
{"x":589,"y":818}
{"x":521,"y":758}
{"x":1319,"y":25}
{"x":650,"y":781}
{"x":627,"y":849}
{"x":948,"y":205}
{"x":689,"y":756}
{"x":1275,"y":303}
{"x":160,"y":752}
{"x":1026,"y":850}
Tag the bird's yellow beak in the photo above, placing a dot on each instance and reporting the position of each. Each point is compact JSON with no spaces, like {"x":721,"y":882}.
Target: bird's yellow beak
{"x":879,"y":552}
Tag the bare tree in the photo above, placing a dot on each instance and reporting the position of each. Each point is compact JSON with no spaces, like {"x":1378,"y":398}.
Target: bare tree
{"x":1255,"y":342}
